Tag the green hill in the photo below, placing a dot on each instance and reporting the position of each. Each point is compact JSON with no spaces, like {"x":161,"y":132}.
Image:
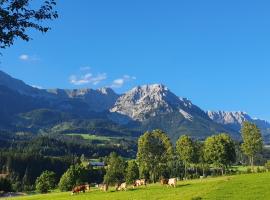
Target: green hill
{"x":250,"y":186}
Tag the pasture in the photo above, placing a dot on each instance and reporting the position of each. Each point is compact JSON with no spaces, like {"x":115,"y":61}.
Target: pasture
{"x":248,"y":186}
{"x":90,"y":137}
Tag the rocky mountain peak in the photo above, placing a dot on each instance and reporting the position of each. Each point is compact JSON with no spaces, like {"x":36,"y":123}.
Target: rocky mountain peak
{"x":223,"y":117}
{"x":148,"y":101}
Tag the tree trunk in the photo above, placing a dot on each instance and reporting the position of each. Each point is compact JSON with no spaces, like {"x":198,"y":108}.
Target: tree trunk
{"x":203,"y":172}
{"x":185,"y":171}
{"x":252,"y":163}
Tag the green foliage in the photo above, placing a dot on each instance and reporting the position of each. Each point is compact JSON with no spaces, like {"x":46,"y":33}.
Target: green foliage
{"x":154,"y":152}
{"x":116,"y":169}
{"x":5,"y":185}
{"x":46,"y":182}
{"x":75,"y":175}
{"x":219,"y":150}
{"x":185,"y":148}
{"x":132,"y":172}
{"x":267,"y":165}
{"x":18,"y":16}
{"x":252,"y":140}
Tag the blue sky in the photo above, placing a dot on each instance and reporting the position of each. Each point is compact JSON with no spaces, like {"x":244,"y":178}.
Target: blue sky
{"x":215,"y":53}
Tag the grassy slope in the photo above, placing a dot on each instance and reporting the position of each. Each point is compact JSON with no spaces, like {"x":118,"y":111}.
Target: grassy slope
{"x":90,"y":137}
{"x":253,"y":186}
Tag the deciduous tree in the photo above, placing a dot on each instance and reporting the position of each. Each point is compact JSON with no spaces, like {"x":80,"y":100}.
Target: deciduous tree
{"x":132,"y":172}
{"x":185,"y":148}
{"x":17,"y":16}
{"x":252,"y":141}
{"x":115,"y":173}
{"x":219,"y":150}
{"x":154,"y":152}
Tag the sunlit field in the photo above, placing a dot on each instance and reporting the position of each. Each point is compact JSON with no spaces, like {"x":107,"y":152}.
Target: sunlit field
{"x":249,"y":186}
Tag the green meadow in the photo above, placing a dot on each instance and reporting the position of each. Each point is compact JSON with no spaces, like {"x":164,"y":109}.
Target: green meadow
{"x":90,"y":137}
{"x":248,"y":186}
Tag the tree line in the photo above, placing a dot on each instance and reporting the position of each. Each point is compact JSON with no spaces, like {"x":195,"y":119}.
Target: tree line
{"x":158,"y":158}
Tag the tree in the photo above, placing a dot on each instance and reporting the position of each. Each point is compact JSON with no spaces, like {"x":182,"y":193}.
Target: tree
{"x":219,"y":150}
{"x":115,"y":173}
{"x":75,"y":175}
{"x":17,"y":16}
{"x":252,"y":141}
{"x":186,"y":150}
{"x":154,"y":152}
{"x":132,"y":172}
{"x":46,"y":182}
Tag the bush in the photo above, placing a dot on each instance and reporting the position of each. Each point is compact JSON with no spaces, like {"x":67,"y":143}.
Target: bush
{"x":267,"y":165}
{"x":45,"y":182}
{"x":249,"y":170}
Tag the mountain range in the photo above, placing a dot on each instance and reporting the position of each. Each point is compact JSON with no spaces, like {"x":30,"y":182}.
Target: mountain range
{"x":104,"y":112}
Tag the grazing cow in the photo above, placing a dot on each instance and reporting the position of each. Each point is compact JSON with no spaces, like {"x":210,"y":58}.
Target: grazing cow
{"x":104,"y":187}
{"x":121,"y":187}
{"x":164,"y":181}
{"x":172,"y":182}
{"x":140,"y":182}
{"x":81,"y":188}
{"x":143,"y":182}
{"x":137,"y":183}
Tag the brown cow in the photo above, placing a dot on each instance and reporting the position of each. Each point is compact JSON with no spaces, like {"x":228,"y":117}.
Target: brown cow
{"x":81,"y":188}
{"x":164,"y":181}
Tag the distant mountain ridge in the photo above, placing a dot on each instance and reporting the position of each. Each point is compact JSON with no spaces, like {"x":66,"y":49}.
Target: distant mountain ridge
{"x":84,"y":110}
{"x":234,"y":120}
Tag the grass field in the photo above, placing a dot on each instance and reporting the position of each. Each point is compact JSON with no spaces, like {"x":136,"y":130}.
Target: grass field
{"x":91,"y":137}
{"x":249,"y":186}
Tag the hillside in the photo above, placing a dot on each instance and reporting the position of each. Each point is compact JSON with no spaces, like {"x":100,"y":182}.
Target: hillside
{"x":251,"y":186}
{"x":102,"y":111}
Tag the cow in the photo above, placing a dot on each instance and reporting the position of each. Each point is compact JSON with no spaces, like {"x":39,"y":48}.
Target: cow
{"x":164,"y":181}
{"x":121,"y":187}
{"x":81,"y":188}
{"x":140,"y":182}
{"x":103,"y":187}
{"x":143,"y":182}
{"x":172,"y":182}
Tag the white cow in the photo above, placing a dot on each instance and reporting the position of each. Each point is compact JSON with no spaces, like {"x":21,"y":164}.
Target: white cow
{"x":172,"y":182}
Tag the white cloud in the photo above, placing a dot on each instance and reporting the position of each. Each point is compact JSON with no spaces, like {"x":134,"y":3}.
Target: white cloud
{"x":118,"y":83}
{"x":87,"y":78}
{"x":26,"y":57}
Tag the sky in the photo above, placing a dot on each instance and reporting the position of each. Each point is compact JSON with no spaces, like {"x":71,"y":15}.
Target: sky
{"x":215,"y":53}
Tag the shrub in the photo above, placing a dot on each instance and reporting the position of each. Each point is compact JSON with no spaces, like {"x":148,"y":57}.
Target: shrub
{"x":267,"y":165}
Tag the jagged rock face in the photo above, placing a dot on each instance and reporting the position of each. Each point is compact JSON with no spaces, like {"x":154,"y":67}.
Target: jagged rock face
{"x":223,"y":117}
{"x":148,"y":101}
{"x":235,"y":120}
